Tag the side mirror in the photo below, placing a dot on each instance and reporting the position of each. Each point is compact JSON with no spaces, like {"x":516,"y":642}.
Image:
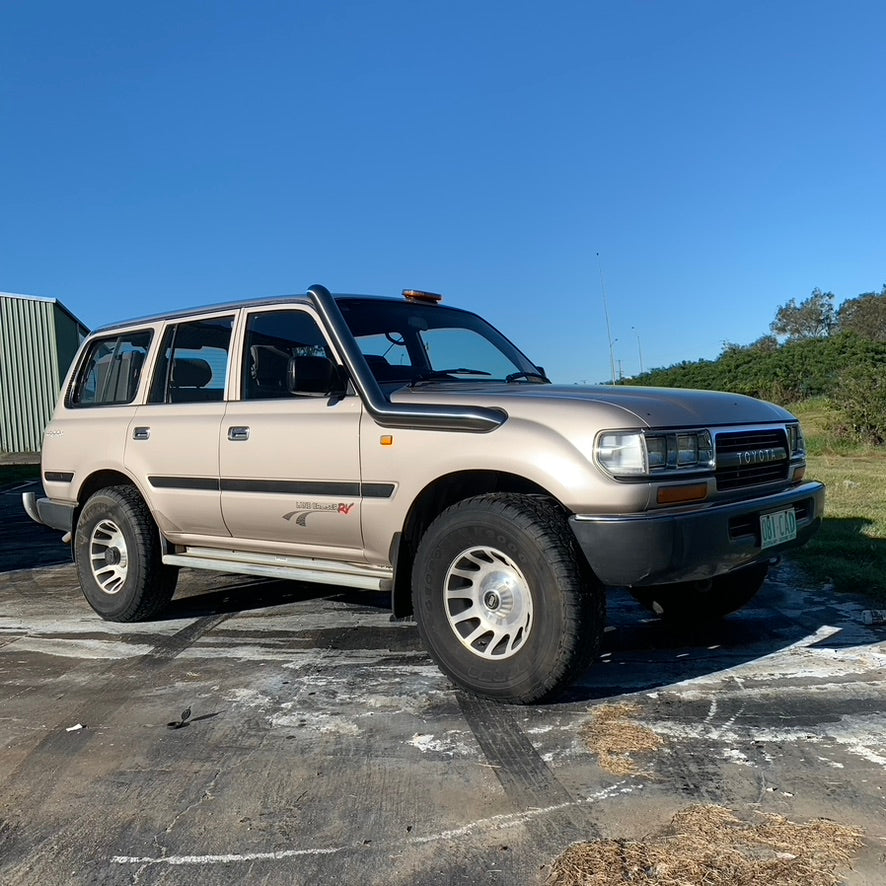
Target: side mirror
{"x":315,"y":376}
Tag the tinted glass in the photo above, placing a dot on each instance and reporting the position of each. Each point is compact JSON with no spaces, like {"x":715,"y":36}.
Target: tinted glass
{"x":415,"y":342}
{"x":193,"y":363}
{"x":273,"y":338}
{"x":112,"y":370}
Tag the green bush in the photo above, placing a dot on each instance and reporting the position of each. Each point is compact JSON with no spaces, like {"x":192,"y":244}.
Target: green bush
{"x":784,"y":373}
{"x":859,"y":400}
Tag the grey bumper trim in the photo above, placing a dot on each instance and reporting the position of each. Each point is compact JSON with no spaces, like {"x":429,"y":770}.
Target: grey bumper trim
{"x":652,"y":549}
{"x":55,"y":514}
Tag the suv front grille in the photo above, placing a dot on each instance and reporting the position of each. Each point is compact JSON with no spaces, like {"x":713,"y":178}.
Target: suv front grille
{"x":746,"y":458}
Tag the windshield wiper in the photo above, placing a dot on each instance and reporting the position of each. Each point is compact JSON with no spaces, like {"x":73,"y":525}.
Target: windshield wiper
{"x":538,"y":378}
{"x":433,"y":374}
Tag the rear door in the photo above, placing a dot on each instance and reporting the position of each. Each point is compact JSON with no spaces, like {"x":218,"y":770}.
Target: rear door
{"x":172,"y":444}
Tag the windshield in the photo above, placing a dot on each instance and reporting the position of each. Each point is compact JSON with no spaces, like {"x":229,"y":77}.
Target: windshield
{"x":418,"y":344}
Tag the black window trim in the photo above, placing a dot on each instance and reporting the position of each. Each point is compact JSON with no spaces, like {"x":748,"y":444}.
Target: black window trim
{"x":88,"y":349}
{"x":175,"y":323}
{"x":246,"y":316}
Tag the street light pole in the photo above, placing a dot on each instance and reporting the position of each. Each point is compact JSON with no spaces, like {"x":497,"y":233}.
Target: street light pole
{"x":608,"y":327}
{"x":639,"y":349}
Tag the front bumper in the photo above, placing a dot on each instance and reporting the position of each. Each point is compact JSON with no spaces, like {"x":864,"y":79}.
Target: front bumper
{"x":56,"y":514}
{"x":660,"y":548}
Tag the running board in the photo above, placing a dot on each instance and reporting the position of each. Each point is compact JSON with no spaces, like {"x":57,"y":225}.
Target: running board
{"x":328,"y":572}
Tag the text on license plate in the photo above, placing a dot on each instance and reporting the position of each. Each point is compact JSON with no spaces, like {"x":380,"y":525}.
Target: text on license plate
{"x":778,"y":527}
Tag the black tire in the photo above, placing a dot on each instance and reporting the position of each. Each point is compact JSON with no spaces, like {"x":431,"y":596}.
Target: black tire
{"x":117,"y":551}
{"x":534,"y":622}
{"x":700,"y":602}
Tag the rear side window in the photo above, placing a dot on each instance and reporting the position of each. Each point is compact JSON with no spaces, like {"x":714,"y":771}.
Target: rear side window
{"x":111,"y":370}
{"x":193,"y":362}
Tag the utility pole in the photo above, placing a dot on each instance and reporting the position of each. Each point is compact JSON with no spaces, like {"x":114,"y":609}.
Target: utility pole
{"x":608,"y":327}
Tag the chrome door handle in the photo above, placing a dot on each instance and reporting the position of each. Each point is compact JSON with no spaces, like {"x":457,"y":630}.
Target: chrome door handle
{"x":238,"y":432}
{"x":141,"y":433}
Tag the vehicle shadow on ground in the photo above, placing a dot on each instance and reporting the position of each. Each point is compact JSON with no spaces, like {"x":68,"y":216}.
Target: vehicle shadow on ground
{"x":25,"y":544}
{"x":845,"y":549}
{"x":204,"y":597}
{"x":639,"y":652}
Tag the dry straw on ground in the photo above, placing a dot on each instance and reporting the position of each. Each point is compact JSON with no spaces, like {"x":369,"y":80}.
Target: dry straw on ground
{"x":614,"y":736}
{"x":709,"y":846}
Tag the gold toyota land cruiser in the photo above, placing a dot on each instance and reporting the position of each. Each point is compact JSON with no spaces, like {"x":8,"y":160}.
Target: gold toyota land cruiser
{"x":405,"y":446}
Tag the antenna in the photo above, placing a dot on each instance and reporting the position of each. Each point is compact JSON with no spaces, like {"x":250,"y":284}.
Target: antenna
{"x":608,"y":327}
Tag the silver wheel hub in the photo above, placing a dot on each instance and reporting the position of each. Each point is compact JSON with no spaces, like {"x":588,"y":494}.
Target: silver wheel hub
{"x":488,"y":603}
{"x":108,"y":557}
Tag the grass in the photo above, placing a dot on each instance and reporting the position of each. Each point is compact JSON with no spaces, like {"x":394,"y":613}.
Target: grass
{"x":615,"y":737}
{"x":711,"y":845}
{"x":850,"y":548}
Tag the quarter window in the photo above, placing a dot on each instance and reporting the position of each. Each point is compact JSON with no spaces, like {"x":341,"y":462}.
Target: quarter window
{"x":193,"y":362}
{"x":112,"y":370}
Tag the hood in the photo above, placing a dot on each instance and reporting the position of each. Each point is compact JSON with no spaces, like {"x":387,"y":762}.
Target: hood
{"x":649,"y":407}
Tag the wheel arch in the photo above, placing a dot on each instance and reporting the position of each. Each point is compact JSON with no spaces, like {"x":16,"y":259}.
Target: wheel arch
{"x":95,"y":482}
{"x":438,"y":495}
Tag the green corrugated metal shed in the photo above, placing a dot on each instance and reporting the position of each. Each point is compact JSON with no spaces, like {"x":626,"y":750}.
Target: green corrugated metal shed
{"x":38,"y":339}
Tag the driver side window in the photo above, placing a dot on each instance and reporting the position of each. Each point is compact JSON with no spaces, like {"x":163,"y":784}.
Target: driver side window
{"x":273,"y":340}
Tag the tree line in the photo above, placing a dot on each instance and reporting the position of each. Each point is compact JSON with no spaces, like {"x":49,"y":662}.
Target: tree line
{"x":813,"y":349}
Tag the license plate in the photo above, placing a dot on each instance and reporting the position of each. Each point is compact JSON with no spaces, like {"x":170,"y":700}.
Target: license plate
{"x":778,"y":527}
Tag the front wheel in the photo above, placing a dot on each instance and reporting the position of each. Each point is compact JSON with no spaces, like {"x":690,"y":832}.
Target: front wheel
{"x":700,"y":602}
{"x":504,"y":601}
{"x":117,"y":550}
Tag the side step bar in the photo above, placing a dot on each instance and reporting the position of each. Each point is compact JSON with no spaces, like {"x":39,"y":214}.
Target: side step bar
{"x":329,"y":572}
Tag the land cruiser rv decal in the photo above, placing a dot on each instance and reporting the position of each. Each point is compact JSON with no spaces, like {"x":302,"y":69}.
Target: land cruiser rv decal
{"x":304,"y":509}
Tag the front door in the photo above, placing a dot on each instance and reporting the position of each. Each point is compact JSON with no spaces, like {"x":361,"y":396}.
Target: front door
{"x":289,"y":463}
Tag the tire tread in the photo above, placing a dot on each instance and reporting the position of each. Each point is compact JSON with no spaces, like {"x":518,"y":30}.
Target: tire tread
{"x":584,"y":610}
{"x":154,"y":593}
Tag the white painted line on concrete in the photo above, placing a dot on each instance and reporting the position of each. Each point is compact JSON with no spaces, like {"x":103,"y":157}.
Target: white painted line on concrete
{"x":231,"y":858}
{"x":495,"y":821}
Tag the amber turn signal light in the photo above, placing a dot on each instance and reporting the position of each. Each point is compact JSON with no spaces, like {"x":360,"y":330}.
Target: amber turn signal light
{"x":672,"y":495}
{"x":420,"y":295}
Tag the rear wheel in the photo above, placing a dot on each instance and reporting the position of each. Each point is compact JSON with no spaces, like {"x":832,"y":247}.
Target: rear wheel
{"x":503,"y":599}
{"x":698,"y":602}
{"x":117,"y":550}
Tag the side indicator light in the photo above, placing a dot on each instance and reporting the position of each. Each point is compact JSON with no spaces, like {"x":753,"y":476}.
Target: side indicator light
{"x":672,"y":495}
{"x":386,"y":440}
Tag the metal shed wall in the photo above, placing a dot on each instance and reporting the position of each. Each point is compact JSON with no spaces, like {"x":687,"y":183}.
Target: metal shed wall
{"x":38,"y":339}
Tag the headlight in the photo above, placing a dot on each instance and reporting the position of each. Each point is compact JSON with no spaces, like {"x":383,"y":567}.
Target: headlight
{"x":796,"y":443}
{"x":635,"y":454}
{"x":622,"y":453}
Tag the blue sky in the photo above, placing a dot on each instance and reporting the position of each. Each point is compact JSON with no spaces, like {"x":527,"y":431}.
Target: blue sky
{"x":721,"y":157}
